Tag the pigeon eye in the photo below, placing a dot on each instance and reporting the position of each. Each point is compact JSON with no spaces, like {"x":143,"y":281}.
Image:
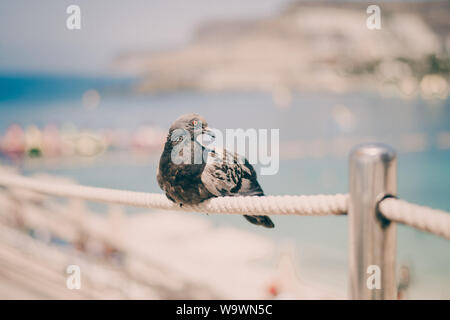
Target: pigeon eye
{"x":180,"y":138}
{"x":195,"y":122}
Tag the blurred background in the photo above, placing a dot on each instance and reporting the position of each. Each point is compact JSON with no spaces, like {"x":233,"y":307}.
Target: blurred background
{"x":93,"y":106}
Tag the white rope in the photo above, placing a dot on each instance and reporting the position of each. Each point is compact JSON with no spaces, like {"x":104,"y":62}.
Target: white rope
{"x":314,"y":205}
{"x":419,"y":217}
{"x":422,"y":218}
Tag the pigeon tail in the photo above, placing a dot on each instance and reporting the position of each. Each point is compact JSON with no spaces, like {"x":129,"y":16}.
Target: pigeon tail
{"x":260,"y":221}
{"x":264,"y":221}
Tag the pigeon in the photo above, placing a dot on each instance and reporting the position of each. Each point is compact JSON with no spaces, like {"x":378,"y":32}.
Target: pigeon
{"x":189,"y":179}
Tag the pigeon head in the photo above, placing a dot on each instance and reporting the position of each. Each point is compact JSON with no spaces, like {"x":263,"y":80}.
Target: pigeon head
{"x":188,"y":126}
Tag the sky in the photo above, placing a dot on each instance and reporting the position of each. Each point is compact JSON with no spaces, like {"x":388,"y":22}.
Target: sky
{"x":34,"y":37}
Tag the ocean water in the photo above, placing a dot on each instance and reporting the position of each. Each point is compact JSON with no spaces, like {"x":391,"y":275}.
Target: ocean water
{"x":414,"y":127}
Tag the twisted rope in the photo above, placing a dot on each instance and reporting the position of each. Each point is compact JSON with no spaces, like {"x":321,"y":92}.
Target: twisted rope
{"x":419,"y":217}
{"x":315,"y":205}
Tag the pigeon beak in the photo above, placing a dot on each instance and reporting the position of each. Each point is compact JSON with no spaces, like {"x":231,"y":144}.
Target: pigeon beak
{"x":209,"y":132}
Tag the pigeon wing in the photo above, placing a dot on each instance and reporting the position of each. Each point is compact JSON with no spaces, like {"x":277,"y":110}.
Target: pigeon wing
{"x":229,"y":174}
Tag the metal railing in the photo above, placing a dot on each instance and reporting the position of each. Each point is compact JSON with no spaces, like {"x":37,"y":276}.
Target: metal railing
{"x":372,"y":238}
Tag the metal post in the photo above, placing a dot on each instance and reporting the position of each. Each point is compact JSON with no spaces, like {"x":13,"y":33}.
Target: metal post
{"x":372,"y":239}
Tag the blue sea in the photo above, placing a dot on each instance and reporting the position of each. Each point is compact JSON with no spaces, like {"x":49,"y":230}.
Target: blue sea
{"x":412,"y":126}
